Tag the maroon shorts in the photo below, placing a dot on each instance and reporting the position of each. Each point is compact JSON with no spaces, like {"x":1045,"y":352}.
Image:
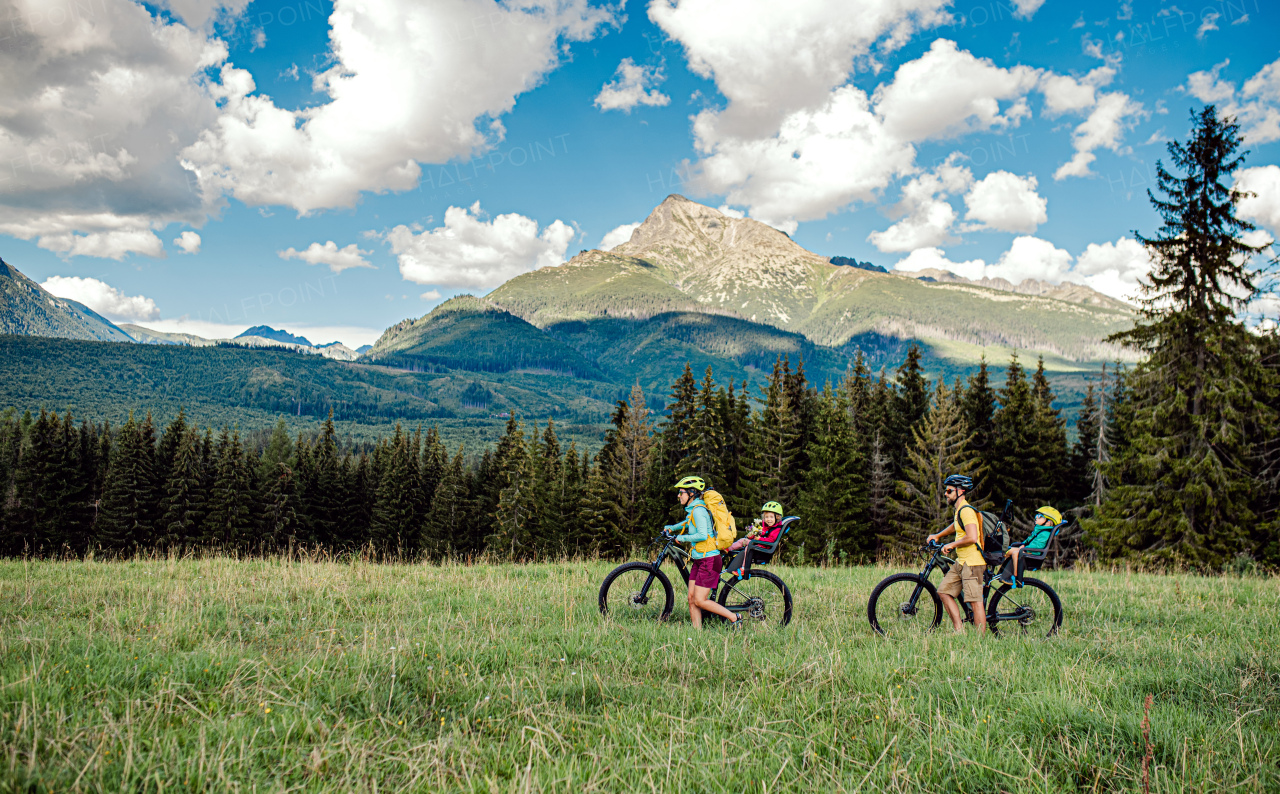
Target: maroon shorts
{"x":706,"y":571}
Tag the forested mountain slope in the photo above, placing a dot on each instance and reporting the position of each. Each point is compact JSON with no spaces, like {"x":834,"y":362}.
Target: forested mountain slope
{"x":28,"y":308}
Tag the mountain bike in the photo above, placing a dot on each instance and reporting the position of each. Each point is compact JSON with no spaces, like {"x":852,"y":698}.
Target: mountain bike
{"x":640,"y":591}
{"x":907,"y":604}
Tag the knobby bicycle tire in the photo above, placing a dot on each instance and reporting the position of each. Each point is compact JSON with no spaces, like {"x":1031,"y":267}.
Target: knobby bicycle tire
{"x":739,"y":592}
{"x":1031,"y":595}
{"x":928,"y":600}
{"x":637,"y":571}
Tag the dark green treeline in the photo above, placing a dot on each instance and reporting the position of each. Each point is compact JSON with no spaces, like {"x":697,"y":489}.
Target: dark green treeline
{"x":840,"y":456}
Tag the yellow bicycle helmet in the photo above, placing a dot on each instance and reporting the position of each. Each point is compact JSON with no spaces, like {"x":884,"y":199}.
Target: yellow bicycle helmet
{"x":1051,"y":514}
{"x":691,"y":483}
{"x":772,"y":507}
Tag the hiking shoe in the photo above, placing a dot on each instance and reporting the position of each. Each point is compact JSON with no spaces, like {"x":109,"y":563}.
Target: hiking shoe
{"x":736,"y":625}
{"x":1006,"y":577}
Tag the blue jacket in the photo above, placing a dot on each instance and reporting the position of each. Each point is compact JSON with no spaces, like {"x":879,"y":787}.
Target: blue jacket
{"x":696,"y":527}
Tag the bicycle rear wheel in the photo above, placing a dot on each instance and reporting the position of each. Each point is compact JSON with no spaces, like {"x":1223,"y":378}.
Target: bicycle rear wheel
{"x":621,"y":595}
{"x":763,"y":600}
{"x":904,"y":605}
{"x":1033,"y":610}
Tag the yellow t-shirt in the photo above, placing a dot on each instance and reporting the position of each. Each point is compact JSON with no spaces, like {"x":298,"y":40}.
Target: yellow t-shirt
{"x":972,"y":553}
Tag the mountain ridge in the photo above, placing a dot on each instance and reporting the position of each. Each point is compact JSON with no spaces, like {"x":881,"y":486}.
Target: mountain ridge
{"x":689,"y":257}
{"x":28,"y":309}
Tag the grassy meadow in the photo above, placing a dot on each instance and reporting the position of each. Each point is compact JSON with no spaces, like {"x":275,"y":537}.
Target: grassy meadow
{"x":274,"y":675}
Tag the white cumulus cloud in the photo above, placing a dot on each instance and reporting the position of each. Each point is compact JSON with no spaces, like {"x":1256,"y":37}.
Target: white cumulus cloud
{"x":189,"y":242}
{"x":926,"y":214}
{"x":636,"y":85}
{"x":1264,"y":207}
{"x":470,"y":252}
{"x":1006,"y":202}
{"x":936,"y":259}
{"x":103,"y":298}
{"x":338,"y":259}
{"x":947,"y":91}
{"x":1031,"y":257}
{"x":1115,"y":268}
{"x":1064,"y":94}
{"x":1103,"y":129}
{"x":410,"y":82}
{"x":1256,"y":105}
{"x":97,"y":103}
{"x":617,"y":236}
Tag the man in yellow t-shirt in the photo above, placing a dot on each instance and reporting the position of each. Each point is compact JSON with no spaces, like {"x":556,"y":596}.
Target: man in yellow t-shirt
{"x":966,"y":576}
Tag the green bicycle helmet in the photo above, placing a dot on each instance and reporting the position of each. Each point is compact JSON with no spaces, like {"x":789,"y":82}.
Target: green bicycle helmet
{"x":691,"y":483}
{"x":772,"y":507}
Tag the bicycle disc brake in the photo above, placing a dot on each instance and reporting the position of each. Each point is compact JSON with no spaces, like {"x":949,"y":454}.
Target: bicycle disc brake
{"x":755,"y":608}
{"x":638,"y":600}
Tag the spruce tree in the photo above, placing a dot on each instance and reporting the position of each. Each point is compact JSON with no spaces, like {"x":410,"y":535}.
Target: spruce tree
{"x":833,"y":503}
{"x":124,"y":516}
{"x":910,"y":404}
{"x":1049,"y":474}
{"x":706,"y":447}
{"x":804,"y":406}
{"x":325,"y":496}
{"x":618,"y":487}
{"x":880,"y":486}
{"x":1088,"y":425}
{"x":940,"y":447}
{"x":47,"y":496}
{"x":228,"y":524}
{"x":769,"y":468}
{"x":279,"y":518}
{"x":448,"y":516}
{"x":979,"y":405}
{"x":395,"y":510}
{"x":170,"y":440}
{"x":549,"y":474}
{"x":515,"y":520}
{"x":1014,"y":454}
{"x":279,"y":450}
{"x":1201,"y":402}
{"x":183,"y":503}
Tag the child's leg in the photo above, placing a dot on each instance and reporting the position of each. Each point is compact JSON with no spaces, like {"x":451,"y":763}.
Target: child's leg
{"x":1015,"y":553}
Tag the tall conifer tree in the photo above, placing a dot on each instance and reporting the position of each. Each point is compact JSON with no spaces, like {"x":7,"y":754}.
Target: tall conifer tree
{"x":1201,"y":401}
{"x":124,"y":517}
{"x":940,"y":446}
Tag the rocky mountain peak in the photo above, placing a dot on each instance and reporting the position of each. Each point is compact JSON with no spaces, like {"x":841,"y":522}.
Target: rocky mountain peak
{"x":683,"y":235}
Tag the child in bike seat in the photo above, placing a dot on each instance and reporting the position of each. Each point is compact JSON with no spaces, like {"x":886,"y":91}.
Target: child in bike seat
{"x":765,"y":529}
{"x":1047,"y":520}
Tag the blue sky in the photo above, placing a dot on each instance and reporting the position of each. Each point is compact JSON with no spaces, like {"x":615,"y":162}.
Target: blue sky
{"x":347,"y":166}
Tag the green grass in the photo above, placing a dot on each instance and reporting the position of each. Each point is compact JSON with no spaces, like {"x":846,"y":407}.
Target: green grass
{"x":274,"y":675}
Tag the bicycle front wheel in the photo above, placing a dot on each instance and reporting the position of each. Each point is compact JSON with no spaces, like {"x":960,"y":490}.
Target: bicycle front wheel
{"x":636,"y":592}
{"x":1033,"y":610}
{"x":904,"y":605}
{"x":763,"y":600}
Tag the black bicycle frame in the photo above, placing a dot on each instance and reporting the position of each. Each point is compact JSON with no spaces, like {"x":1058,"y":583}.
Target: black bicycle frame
{"x":657,"y":563}
{"x":939,"y":560}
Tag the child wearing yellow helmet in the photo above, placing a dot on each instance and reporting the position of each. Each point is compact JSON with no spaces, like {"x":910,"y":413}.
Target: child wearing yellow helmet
{"x":1047,"y":520}
{"x":765,"y":529}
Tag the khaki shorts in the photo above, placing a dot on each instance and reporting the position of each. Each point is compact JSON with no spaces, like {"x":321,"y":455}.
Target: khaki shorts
{"x":963,"y":577}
